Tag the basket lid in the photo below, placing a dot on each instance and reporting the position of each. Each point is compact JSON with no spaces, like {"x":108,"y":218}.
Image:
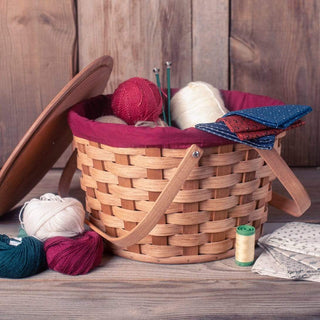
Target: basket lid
{"x":49,"y":136}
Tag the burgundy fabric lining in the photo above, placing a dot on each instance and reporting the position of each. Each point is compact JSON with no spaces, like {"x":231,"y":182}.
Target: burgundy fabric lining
{"x":81,"y":121}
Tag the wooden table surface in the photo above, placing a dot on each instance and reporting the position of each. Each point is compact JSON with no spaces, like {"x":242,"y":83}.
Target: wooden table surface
{"x":126,"y":289}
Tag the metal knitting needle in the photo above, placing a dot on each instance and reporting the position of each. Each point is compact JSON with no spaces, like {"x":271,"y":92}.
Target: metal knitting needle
{"x":156,"y":72}
{"x":168,"y":64}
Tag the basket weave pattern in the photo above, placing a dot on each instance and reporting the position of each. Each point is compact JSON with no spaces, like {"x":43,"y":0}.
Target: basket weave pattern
{"x":231,"y":186}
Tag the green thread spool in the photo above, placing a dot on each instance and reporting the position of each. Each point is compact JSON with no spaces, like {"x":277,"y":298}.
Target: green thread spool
{"x":245,"y":243}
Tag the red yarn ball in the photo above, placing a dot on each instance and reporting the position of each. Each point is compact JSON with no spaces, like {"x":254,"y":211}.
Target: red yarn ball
{"x":137,"y":99}
{"x":74,"y":256}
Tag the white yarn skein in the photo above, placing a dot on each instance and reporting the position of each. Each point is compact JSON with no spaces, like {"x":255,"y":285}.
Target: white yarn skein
{"x":198,"y":102}
{"x":52,"y":216}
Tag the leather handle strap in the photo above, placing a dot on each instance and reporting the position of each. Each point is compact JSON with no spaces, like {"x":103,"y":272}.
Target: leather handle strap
{"x":300,"y":201}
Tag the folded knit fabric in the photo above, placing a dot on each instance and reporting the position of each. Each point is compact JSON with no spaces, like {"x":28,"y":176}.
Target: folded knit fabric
{"x":280,"y":117}
{"x":247,"y":129}
{"x":221,"y":129}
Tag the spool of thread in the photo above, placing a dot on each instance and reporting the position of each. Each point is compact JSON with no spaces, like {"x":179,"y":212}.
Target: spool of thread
{"x":137,"y":99}
{"x":198,"y":102}
{"x":74,"y":256}
{"x":110,"y":119}
{"x":52,"y":216}
{"x":245,"y":243}
{"x":21,"y":257}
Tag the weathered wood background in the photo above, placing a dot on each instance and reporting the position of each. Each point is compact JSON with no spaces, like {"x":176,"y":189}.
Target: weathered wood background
{"x":264,"y":47}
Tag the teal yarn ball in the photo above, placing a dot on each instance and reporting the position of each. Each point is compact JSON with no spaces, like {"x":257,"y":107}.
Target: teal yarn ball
{"x":21,"y":258}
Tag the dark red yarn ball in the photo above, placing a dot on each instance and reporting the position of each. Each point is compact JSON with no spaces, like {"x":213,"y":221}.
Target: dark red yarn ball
{"x":74,"y":256}
{"x":137,"y":99}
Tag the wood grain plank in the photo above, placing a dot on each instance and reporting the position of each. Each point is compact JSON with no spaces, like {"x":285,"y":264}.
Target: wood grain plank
{"x":139,"y":35}
{"x":261,"y":299}
{"x":275,"y":52}
{"x":210,"y":42}
{"x":38,"y":43}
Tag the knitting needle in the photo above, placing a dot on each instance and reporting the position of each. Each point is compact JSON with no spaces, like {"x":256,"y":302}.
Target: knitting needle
{"x":168,"y":64}
{"x":156,"y":72}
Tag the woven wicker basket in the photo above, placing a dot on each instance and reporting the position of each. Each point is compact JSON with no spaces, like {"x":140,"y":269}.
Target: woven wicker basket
{"x":167,"y":205}
{"x":180,"y":206}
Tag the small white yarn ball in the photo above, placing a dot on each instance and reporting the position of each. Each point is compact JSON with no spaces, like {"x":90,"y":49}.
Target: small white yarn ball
{"x":198,"y":102}
{"x":52,"y":216}
{"x":151,"y":124}
{"x":110,"y":119}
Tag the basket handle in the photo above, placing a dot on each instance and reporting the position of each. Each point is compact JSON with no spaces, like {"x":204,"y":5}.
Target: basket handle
{"x":300,"y":201}
{"x":162,"y":203}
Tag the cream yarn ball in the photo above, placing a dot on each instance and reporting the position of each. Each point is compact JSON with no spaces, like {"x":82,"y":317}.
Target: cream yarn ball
{"x":52,"y":216}
{"x":151,"y":124}
{"x":198,"y":102}
{"x":110,"y":119}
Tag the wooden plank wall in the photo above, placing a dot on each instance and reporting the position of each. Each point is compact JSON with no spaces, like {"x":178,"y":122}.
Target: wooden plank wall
{"x":264,"y":47}
{"x":275,"y":51}
{"x":143,"y":34}
{"x":37,"y":57}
